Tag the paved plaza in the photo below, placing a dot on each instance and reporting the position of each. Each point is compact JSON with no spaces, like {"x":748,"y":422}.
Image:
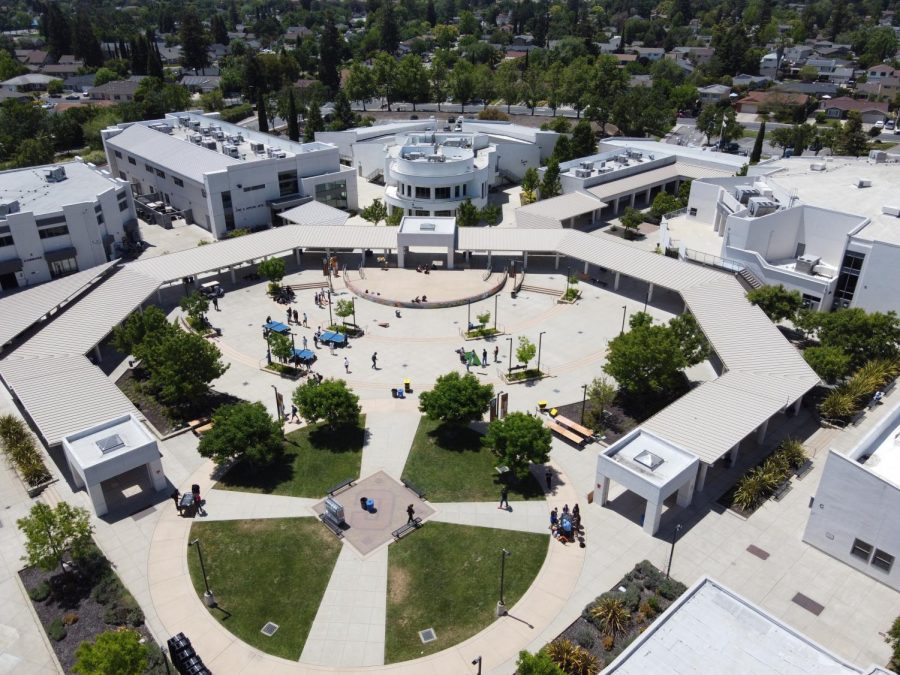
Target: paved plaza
{"x":149,"y":548}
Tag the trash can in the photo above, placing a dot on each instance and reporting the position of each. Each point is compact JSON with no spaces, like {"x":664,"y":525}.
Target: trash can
{"x":370,"y":505}
{"x":362,"y":503}
{"x":407,"y":386}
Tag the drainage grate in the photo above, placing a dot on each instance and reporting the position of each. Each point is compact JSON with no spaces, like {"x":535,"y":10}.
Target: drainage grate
{"x":808,"y":604}
{"x":269,"y":629}
{"x":427,"y":635}
{"x":758,"y":552}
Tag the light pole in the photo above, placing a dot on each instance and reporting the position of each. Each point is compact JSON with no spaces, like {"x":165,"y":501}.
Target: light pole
{"x":208,"y":596}
{"x":496,"y":297}
{"x":268,"y":346}
{"x":583,"y":400}
{"x":501,"y":605}
{"x":624,"y":311}
{"x":539,"y":351}
{"x":469,"y":315}
{"x":672,"y":550}
{"x":353,"y":304}
{"x":509,"y":372}
{"x":278,"y":407}
{"x":646,"y":299}
{"x":330,"y":318}
{"x":477,"y":662}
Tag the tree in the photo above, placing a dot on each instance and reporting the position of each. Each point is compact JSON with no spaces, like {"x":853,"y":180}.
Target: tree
{"x":262,"y":116}
{"x":531,"y":180}
{"x":525,"y":351}
{"x":112,"y":653}
{"x":756,"y":153}
{"x":631,"y":218}
{"x":537,"y":664}
{"x":272,"y":269}
{"x":517,"y":440}
{"x":664,"y":203}
{"x":862,"y":336}
{"x":852,"y":140}
{"x":776,"y":302}
{"x":193,"y":38}
{"x":456,"y":399}
{"x":462,"y":83}
{"x":331,"y":400}
{"x":467,"y":214}
{"x":374,"y":212}
{"x":384,"y":69}
{"x":84,"y":39}
{"x":139,"y":330}
{"x":412,"y":80}
{"x":342,"y":115}
{"x":196,"y":305}
{"x":51,"y":532}
{"x":360,"y":84}
{"x":181,"y":366}
{"x":388,"y":30}
{"x":551,"y":186}
{"x":647,"y":360}
{"x":491,"y":214}
{"x":330,"y":54}
{"x":280,"y":345}
{"x":218,"y":30}
{"x":601,"y":393}
{"x":507,"y":78}
{"x":314,"y":122}
{"x":244,"y":432}
{"x":34,"y":151}
{"x":830,"y":363}
{"x":104,"y":75}
{"x":583,"y":142}
{"x":691,"y":340}
{"x":611,"y":615}
{"x":893,"y":639}
{"x":292,"y":122}
{"x":344,"y":309}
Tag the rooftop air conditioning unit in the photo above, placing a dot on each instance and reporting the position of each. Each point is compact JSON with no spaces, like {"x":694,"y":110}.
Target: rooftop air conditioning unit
{"x":278,"y":154}
{"x":11,"y":206}
{"x":760,"y":206}
{"x":184,"y":120}
{"x":257,"y":147}
{"x":206,"y":131}
{"x":743,"y":193}
{"x":582,"y":173}
{"x":586,"y":165}
{"x":56,"y":174}
{"x":210,"y":144}
{"x":863,"y":183}
{"x":634,"y":154}
{"x":196,"y":139}
{"x":878,"y":156}
{"x":817,"y":166}
{"x":805,"y":263}
{"x":219,"y":135}
{"x":230,"y":150}
{"x":890,"y":210}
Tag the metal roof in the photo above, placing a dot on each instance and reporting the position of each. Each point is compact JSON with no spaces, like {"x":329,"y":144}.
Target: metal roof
{"x":315,"y":213}
{"x":563,"y":207}
{"x":641,"y":181}
{"x":23,"y":308}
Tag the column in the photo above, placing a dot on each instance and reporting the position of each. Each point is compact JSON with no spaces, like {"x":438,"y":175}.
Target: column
{"x":586,"y":266}
{"x":97,"y":353}
{"x":647,"y":200}
{"x":96,"y":493}
{"x":685,"y":494}
{"x":633,"y":195}
{"x":450,"y":256}
{"x":157,"y":476}
{"x":159,"y":295}
{"x":701,"y":477}
{"x":761,"y":432}
{"x":601,"y":494}
{"x":616,"y":282}
{"x":400,"y":251}
{"x":650,"y":293}
{"x":297,"y":255}
{"x":524,"y":260}
{"x":652,"y":514}
{"x":231,"y":270}
{"x":733,"y":453}
{"x":797,"y":405}
{"x":556,"y":264}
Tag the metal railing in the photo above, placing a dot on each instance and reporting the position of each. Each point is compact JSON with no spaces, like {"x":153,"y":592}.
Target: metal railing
{"x":362,"y":270}
{"x":712,"y":260}
{"x":487,"y":273}
{"x":674,"y":214}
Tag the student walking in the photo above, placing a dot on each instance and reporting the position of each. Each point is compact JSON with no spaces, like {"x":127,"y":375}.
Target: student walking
{"x":297,"y":317}
{"x":411,"y":514}
{"x":375,"y":361}
{"x":176,"y":497}
{"x":549,"y":478}
{"x":484,"y":357}
{"x":304,"y":342}
{"x":289,"y":315}
{"x":294,"y":414}
{"x":504,"y":498}
{"x":305,"y":324}
{"x":346,"y":365}
{"x":215,"y":303}
{"x":496,"y":353}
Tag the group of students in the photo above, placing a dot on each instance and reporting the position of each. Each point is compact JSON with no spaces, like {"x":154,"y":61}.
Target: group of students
{"x":565,"y":527}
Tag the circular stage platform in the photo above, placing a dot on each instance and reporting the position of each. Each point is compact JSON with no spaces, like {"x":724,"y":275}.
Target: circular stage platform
{"x":442,"y":288}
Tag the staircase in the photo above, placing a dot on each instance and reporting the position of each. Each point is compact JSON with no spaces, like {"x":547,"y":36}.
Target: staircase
{"x":539,"y":289}
{"x":748,"y":280}
{"x":310,"y":286}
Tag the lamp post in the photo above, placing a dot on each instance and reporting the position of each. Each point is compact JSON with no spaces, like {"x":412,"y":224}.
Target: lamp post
{"x":330,"y":318}
{"x":477,"y":662}
{"x":539,"y":351}
{"x":208,"y":596}
{"x":468,"y":315}
{"x":624,"y":311}
{"x":353,"y":305}
{"x":646,"y":299}
{"x":509,"y":372}
{"x":501,"y":605}
{"x":672,"y":550}
{"x":496,"y":297}
{"x":278,"y":410}
{"x":583,"y":400}
{"x":268,"y":346}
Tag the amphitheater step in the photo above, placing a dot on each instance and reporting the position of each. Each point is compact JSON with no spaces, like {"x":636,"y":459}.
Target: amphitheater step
{"x":306,"y":287}
{"x":539,"y":289}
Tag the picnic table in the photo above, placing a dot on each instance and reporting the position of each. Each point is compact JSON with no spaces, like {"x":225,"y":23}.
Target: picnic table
{"x":333,"y":337}
{"x":277,"y":327}
{"x":305,"y":355}
{"x":574,"y":426}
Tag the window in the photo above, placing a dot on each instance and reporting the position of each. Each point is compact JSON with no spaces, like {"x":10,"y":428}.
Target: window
{"x":123,"y":206}
{"x":334,"y":194}
{"x":422,"y":213}
{"x":160,"y":173}
{"x":100,"y":219}
{"x":811,"y":301}
{"x":861,"y":549}
{"x":48,"y":232}
{"x":465,"y":188}
{"x":226,"y":200}
{"x":423,"y":193}
{"x":178,"y":181}
{"x":253,"y":188}
{"x":287,"y":183}
{"x":692,"y":211}
{"x":149,"y":168}
{"x":61,"y":268}
{"x":122,"y":175}
{"x":848,"y":278}
{"x":132,"y":160}
{"x":446,"y":214}
{"x":801,"y":249}
{"x":203,"y":192}
{"x":853,"y":262}
{"x":883,"y":561}
{"x":442,"y":193}
{"x":6,"y":240}
{"x":118,"y":154}
{"x":50,"y":220}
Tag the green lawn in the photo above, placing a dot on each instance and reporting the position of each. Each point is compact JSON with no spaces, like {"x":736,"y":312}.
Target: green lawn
{"x":447,"y":577}
{"x":315,"y":458}
{"x":452,"y":466}
{"x":265,"y":570}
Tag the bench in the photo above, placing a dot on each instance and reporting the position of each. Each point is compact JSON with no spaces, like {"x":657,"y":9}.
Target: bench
{"x":203,"y":429}
{"x":340,"y":486}
{"x":333,"y":526}
{"x":408,"y":527}
{"x":803,"y":469}
{"x":565,"y":433}
{"x":574,"y":426}
{"x":193,"y":424}
{"x":520,"y":366}
{"x":781,"y":490}
{"x":409,"y":486}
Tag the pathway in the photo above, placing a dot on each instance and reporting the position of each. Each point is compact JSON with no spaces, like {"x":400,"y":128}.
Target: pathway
{"x":389,"y":436}
{"x":523,"y":516}
{"x":229,"y":505}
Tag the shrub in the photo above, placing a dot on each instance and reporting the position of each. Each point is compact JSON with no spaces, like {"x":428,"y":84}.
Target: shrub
{"x":632,"y":596}
{"x":647,"y":609}
{"x":56,"y":630}
{"x":608,"y":642}
{"x":837,"y":404}
{"x":792,"y":451}
{"x":611,"y":615}
{"x":69,"y":618}
{"x":585,"y":638}
{"x":40,"y":592}
{"x":654,"y":604}
{"x":571,"y":658}
{"x":21,"y":451}
{"x":107,"y":590}
{"x":671,"y":589}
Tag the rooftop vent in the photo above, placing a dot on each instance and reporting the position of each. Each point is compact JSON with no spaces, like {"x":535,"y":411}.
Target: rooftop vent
{"x":890,"y":210}
{"x":760,"y":206}
{"x":817,"y":166}
{"x":863,"y":183}
{"x":582,"y":173}
{"x":649,"y":460}
{"x":805,"y":263}
{"x":110,"y":443}
{"x":56,"y":174}
{"x":11,"y":206}
{"x":586,"y":165}
{"x":427,"y":227}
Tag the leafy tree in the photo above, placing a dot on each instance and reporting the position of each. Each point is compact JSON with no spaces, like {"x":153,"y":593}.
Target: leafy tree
{"x":112,"y":653}
{"x":631,"y":218}
{"x":551,"y":186}
{"x":50,"y":532}
{"x":412,"y":80}
{"x":245,"y":432}
{"x":830,"y":363}
{"x":467,"y":214}
{"x":507,"y":78}
{"x":893,"y":639}
{"x":331,"y":400}
{"x":388,"y":29}
{"x":531,"y":180}
{"x":525,"y":351}
{"x":601,"y":393}
{"x":344,"y":309}
{"x":756,"y":153}
{"x":862,"y":336}
{"x":272,"y":269}
{"x":360,"y":84}
{"x":776,"y":302}
{"x":292,"y":122}
{"x":456,"y":399}
{"x":384,"y":69}
{"x":852,"y":140}
{"x":640,"y":111}
{"x":721,"y":121}
{"x":647,"y":360}
{"x":394,"y":218}
{"x":193,"y":38}
{"x":343,"y":116}
{"x":374,"y":212}
{"x":691,"y":340}
{"x":140,"y":329}
{"x":34,"y":151}
{"x":280,"y":345}
{"x":104,"y":75}
{"x":664,"y":203}
{"x":583,"y":142}
{"x":462,"y":83}
{"x":196,"y":305}
{"x":491,"y":214}
{"x":330,"y":54}
{"x":483,"y":318}
{"x":181,"y":366}
{"x":314,"y":122}
{"x":517,"y":440}
{"x":562,"y":151}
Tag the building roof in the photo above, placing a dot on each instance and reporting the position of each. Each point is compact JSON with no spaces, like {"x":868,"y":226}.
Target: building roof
{"x":712,"y":629}
{"x":552,"y":212}
{"x":127,"y":87}
{"x":847,"y":103}
{"x":786,"y":97}
{"x":719,"y":89}
{"x":669,"y":172}
{"x":315,"y":213}
{"x":650,"y":458}
{"x":34,"y":194}
{"x":29,"y":78}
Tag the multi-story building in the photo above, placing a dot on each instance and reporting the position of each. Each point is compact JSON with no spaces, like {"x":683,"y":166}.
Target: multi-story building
{"x":221,"y":176}
{"x":56,"y":220}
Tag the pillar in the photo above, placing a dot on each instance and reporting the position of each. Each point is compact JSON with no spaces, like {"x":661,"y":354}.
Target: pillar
{"x":733,"y":453}
{"x":556,"y":264}
{"x":685,"y":494}
{"x":701,"y":477}
{"x":652,"y":514}
{"x":297,"y":255}
{"x":450,"y":256}
{"x":96,"y":493}
{"x":602,"y":495}
{"x":616,"y":282}
{"x":233,"y":279}
{"x":761,"y":432}
{"x":159,"y":295}
{"x":647,"y":199}
{"x":524,"y":260}
{"x":586,"y":266}
{"x":797,"y":405}
{"x":633,"y":195}
{"x":97,"y":353}
{"x":650,"y":293}
{"x":400,"y":254}
{"x":157,"y":476}
{"x":76,"y":477}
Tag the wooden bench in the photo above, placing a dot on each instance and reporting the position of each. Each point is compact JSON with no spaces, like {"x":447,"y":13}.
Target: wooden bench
{"x":340,"y":486}
{"x":333,"y":526}
{"x":193,"y":424}
{"x":565,"y":433}
{"x":574,"y":426}
{"x":781,"y":490}
{"x":409,"y":486}
{"x":803,"y":469}
{"x":408,"y":527}
{"x":203,"y":429}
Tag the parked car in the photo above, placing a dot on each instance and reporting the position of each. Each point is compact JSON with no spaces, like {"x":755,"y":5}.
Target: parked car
{"x":73,"y":97}
{"x":879,"y":124}
{"x":889,"y":124}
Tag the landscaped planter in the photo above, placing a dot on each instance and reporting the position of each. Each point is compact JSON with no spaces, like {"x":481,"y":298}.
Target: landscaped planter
{"x":482,"y":333}
{"x":569,"y":301}
{"x":287,"y":372}
{"x":531,"y":375}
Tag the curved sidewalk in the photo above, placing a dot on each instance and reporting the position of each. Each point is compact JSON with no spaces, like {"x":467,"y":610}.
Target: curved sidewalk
{"x":179,"y":609}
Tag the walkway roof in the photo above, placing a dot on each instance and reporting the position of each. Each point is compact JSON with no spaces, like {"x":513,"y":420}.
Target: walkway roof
{"x":315,"y":213}
{"x":557,"y":209}
{"x":647,"y":179}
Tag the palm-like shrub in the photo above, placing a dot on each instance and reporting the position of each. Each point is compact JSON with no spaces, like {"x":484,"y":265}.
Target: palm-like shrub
{"x":611,"y":616}
{"x":572,"y":659}
{"x":751,"y":489}
{"x":837,"y":404}
{"x":792,"y":451}
{"x":872,"y":375}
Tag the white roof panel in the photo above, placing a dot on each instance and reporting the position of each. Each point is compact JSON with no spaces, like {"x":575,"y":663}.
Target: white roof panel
{"x":315,"y":213}
{"x":563,"y":207}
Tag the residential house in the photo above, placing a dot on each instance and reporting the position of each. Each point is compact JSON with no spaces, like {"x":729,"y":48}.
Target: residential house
{"x":610,"y":47}
{"x":714,"y":93}
{"x":117,"y":90}
{"x":768,"y":65}
{"x":871,"y":112}
{"x":696,"y":55}
{"x":61,"y":70}
{"x":28,"y":82}
{"x":744,"y":80}
{"x":817,"y":89}
{"x":80,"y":83}
{"x":882,"y":80}
{"x":32,"y":57}
{"x":651,"y":54}
{"x":297,"y":33}
{"x":765,"y":101}
{"x":201,"y":84}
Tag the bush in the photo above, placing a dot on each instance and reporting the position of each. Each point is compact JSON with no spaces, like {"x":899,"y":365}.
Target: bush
{"x":585,"y":638}
{"x":56,"y":630}
{"x":671,"y":589}
{"x":237,"y":113}
{"x":654,"y":603}
{"x":647,"y":609}
{"x":69,"y":618}
{"x":608,"y":642}
{"x":125,"y":611}
{"x":632,"y":597}
{"x":107,"y":590}
{"x":17,"y":443}
{"x":40,"y":592}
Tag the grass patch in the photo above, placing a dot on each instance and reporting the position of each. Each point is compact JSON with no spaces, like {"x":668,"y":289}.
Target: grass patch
{"x":315,"y":458}
{"x":446,"y":577}
{"x":482,"y":332}
{"x":451,"y":465}
{"x":265,"y":570}
{"x":520,"y":375}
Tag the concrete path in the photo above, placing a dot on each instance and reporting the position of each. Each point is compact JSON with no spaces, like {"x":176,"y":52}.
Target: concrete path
{"x":390,"y":429}
{"x":349,"y":627}
{"x":228,"y":505}
{"x":524,"y":516}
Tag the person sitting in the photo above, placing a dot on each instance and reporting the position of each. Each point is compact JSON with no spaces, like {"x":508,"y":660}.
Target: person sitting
{"x":418,"y":268}
{"x":397,"y":313}
{"x":400,"y":393}
{"x":416,"y":299}
{"x":426,"y":270}
{"x":424,"y":298}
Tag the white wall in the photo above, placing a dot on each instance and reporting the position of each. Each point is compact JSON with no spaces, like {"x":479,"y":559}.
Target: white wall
{"x":879,"y":282}
{"x":850,"y":503}
{"x":704,"y":196}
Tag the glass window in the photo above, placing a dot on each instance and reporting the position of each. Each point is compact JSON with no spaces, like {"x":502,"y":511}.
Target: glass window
{"x":6,"y":240}
{"x":49,"y":232}
{"x":160,"y":173}
{"x":853,"y":262}
{"x":132,"y":160}
{"x":123,"y":206}
{"x":178,"y":181}
{"x":423,"y":193}
{"x":253,"y":188}
{"x":422,"y":213}
{"x":861,"y":549}
{"x":443,"y":213}
{"x":442,"y":193}
{"x":51,"y":220}
{"x":883,"y":561}
{"x":61,"y":268}
{"x":456,"y":192}
{"x":226,"y":200}
{"x":100,"y":219}
{"x":334,"y":194}
{"x":287,"y":183}
{"x":148,"y":167}
{"x":118,"y":154}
